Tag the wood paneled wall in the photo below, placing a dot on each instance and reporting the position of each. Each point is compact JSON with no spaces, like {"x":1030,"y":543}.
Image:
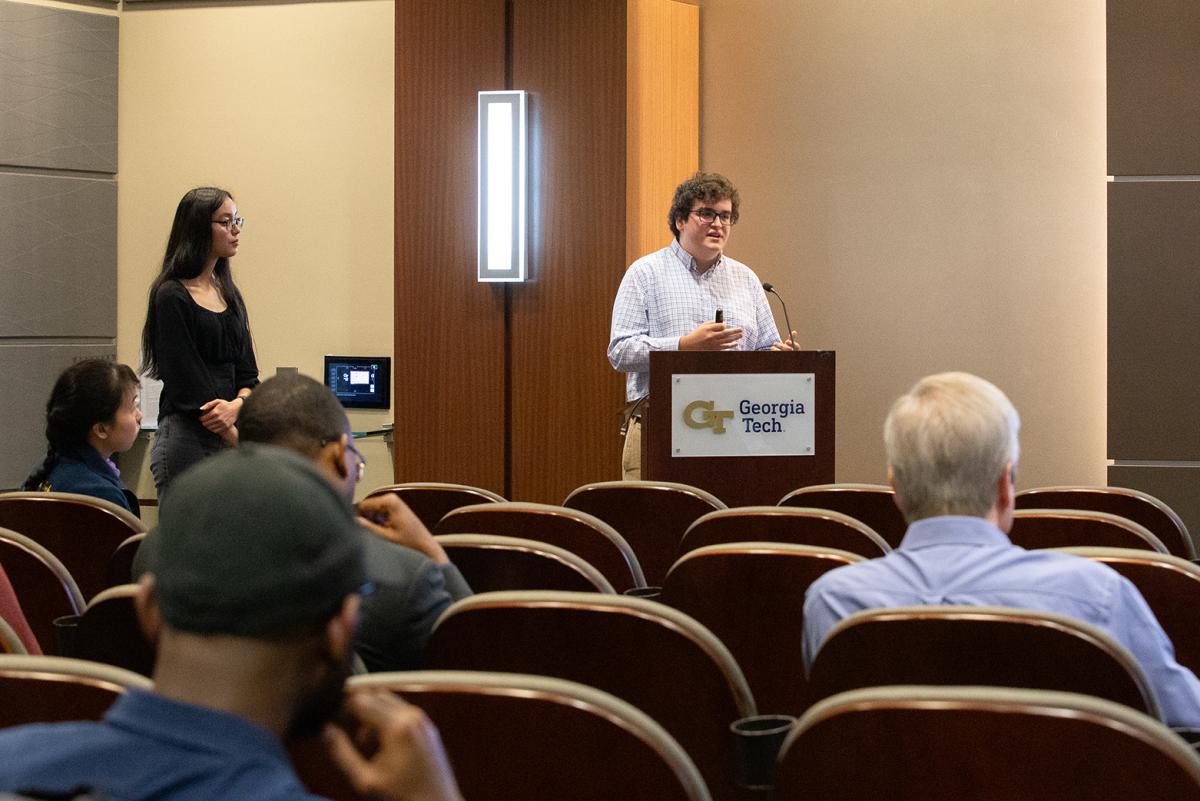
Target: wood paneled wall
{"x":508,"y":386}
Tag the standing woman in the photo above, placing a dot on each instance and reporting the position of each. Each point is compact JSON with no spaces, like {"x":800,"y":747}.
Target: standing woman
{"x":197,"y":336}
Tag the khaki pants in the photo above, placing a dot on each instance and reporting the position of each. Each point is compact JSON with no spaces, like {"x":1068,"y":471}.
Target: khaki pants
{"x":631,"y":454}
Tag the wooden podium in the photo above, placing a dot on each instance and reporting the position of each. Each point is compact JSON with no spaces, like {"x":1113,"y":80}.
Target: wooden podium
{"x":743,"y":480}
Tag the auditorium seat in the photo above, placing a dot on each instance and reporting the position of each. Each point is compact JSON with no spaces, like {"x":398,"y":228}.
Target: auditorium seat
{"x":1065,"y":528}
{"x":50,"y":689}
{"x":576,"y":531}
{"x":873,"y":504}
{"x":108,"y":631}
{"x":751,"y":595}
{"x":491,"y":563}
{"x":43,"y":586}
{"x":522,"y":738}
{"x":977,"y":645}
{"x":431,"y":500}
{"x":656,"y":658}
{"x":820,"y":528}
{"x":1135,"y":505}
{"x":1170,"y":585}
{"x":651,"y":515}
{"x":82,"y":531}
{"x":120,"y":564}
{"x":912,"y":743}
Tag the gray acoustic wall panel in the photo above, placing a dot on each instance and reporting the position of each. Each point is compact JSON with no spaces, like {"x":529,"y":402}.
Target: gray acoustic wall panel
{"x":58,"y":88}
{"x":29,"y":371}
{"x":1174,"y":485}
{"x":58,"y":256}
{"x":1153,"y":327}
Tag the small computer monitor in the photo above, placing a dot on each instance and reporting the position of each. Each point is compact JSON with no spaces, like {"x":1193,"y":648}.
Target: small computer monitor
{"x":360,"y":382}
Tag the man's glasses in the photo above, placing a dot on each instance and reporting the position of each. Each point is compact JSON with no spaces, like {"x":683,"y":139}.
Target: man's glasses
{"x":707,"y":215}
{"x":362,"y":460}
{"x":228,"y":225}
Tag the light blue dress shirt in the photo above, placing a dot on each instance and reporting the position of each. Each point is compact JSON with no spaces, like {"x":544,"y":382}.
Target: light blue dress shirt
{"x":968,"y":561}
{"x":662,"y":297}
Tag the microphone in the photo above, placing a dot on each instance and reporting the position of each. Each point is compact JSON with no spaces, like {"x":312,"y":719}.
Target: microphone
{"x":768,"y":287}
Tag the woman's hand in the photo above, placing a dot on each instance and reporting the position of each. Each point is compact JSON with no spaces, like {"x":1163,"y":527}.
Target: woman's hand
{"x":219,"y":416}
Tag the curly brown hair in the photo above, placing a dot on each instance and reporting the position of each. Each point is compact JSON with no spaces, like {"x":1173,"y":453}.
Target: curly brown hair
{"x":707,"y":187}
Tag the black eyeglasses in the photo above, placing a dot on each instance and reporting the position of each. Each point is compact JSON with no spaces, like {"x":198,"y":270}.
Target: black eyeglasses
{"x":228,"y":225}
{"x":362,"y":460}
{"x":707,"y":215}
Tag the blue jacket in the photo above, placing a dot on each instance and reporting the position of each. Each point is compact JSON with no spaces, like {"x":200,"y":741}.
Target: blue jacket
{"x":84,"y":471}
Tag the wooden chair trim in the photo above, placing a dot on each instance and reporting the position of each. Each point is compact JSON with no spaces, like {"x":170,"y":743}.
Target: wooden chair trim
{"x":809,"y":512}
{"x":57,"y":567}
{"x":1003,"y":700}
{"x":1158,"y":504}
{"x":1137,"y":529}
{"x":561,"y":555}
{"x":10,"y":643}
{"x":1015,"y":616}
{"x":841,"y":487}
{"x":782,"y":549}
{"x":125,"y":516}
{"x":536,"y":509}
{"x":682,"y":624}
{"x":132,"y":538}
{"x":437,"y":485}
{"x":665,"y":486}
{"x":560,"y":691}
{"x":1166,"y":561}
{"x":113,"y":593}
{"x":52,"y":667}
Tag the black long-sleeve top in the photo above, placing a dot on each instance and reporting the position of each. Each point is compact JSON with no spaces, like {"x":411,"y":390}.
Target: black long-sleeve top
{"x":201,"y":354}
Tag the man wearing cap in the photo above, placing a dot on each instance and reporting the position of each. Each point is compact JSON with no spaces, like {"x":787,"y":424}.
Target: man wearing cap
{"x":253,"y":604}
{"x":414,"y":581}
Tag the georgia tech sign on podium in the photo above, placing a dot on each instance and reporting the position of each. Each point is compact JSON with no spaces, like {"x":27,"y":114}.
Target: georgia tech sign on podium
{"x":743,"y":414}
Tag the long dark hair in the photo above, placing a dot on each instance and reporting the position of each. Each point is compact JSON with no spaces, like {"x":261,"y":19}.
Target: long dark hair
{"x":188,"y":248}
{"x":87,"y":392}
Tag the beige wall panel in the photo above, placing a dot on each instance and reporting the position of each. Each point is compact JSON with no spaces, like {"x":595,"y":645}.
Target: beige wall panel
{"x":663,"y":115}
{"x":290,"y":107}
{"x":925,"y":184}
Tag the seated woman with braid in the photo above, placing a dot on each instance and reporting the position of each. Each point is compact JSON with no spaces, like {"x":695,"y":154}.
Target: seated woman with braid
{"x":92,"y":414}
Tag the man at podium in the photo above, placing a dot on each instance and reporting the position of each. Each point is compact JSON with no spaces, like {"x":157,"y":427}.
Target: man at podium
{"x":687,"y":296}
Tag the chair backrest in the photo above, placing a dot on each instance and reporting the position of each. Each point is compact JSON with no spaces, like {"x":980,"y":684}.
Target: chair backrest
{"x":576,"y":531}
{"x":656,"y":658}
{"x":108,"y":632}
{"x":1065,"y":528}
{"x":518,"y":737}
{"x":490,"y":563}
{"x":651,"y":515}
{"x":1170,"y":585}
{"x":14,"y":617}
{"x":1135,"y":505}
{"x":820,"y":528}
{"x":873,"y":504}
{"x":120,"y":564}
{"x":984,"y":645}
{"x":751,"y":595}
{"x":82,"y":531}
{"x":42,"y":584}
{"x":984,"y":743}
{"x":431,"y":500}
{"x":49,"y":689}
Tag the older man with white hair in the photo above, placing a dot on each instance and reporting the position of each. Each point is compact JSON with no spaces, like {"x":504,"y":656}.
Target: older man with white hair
{"x":952,"y":456}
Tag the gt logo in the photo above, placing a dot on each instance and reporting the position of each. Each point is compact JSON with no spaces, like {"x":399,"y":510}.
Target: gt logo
{"x":700,"y":414}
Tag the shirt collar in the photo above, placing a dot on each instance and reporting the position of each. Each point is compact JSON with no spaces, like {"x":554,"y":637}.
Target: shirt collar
{"x":952,"y":530}
{"x":92,"y":458}
{"x":688,"y":261}
{"x":161,"y":718}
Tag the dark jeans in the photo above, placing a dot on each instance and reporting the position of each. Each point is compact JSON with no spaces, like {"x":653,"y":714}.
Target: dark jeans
{"x":181,"y":442}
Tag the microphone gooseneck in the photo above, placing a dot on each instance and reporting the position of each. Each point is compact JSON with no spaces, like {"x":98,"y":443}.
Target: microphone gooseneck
{"x":768,"y":287}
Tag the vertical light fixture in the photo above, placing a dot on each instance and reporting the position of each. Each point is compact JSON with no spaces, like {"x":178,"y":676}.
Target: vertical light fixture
{"x":501,"y":232}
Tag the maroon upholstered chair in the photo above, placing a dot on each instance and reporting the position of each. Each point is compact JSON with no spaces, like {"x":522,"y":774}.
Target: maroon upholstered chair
{"x":651,"y":515}
{"x":751,"y":595}
{"x":820,"y":528}
{"x":873,"y":504}
{"x":430,"y":501}
{"x":49,"y":689}
{"x":108,"y":631}
{"x":907,"y":743}
{"x":570,"y":529}
{"x":1065,"y":528}
{"x":43,"y":586}
{"x":490,"y":563}
{"x":1135,"y":505}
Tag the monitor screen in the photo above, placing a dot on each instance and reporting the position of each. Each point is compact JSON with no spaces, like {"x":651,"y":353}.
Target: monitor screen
{"x":360,"y":382}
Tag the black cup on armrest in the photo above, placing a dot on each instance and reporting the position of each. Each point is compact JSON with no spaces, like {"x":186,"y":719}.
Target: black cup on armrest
{"x":757,"y":741}
{"x":649,"y":593}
